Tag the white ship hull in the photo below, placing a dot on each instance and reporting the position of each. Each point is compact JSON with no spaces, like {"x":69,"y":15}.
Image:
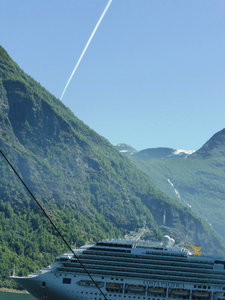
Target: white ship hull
{"x":129,"y":271}
{"x":55,"y":290}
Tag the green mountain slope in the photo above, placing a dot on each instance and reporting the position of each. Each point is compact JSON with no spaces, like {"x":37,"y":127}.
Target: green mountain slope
{"x":197,"y":181}
{"x":90,"y":190}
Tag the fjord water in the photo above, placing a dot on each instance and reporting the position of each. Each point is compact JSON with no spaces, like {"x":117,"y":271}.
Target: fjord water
{"x":12,"y":296}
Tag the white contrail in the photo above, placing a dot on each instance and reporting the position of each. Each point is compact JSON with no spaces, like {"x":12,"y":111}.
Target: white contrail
{"x":85,"y":48}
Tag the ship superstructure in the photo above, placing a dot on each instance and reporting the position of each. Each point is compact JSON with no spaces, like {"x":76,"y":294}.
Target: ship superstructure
{"x":125,"y":269}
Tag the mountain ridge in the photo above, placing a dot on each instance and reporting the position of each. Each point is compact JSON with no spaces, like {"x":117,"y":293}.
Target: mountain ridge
{"x":197,"y":180}
{"x":89,"y":188}
{"x":215,"y":143}
{"x":151,"y":153}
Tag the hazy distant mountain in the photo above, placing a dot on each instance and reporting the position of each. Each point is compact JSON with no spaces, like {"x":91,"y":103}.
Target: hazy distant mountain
{"x":151,"y":153}
{"x":161,"y":152}
{"x":197,"y":180}
{"x":125,"y":149}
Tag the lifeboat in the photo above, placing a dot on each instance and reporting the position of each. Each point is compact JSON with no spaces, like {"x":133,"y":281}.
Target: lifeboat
{"x":89,"y":283}
{"x":180,"y":292}
{"x":202,"y":294}
{"x":114,"y":286}
{"x":135,"y":288}
{"x":156,"y":290}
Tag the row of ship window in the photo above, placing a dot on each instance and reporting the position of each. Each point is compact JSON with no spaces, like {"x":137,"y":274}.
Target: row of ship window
{"x":141,"y":290}
{"x":162,"y":255}
{"x":67,"y":280}
{"x":137,"y":264}
{"x":179,"y":264}
{"x":129,"y":297}
{"x":185,"y":277}
{"x":174,"y":267}
{"x":202,"y":286}
{"x":157,"y":272}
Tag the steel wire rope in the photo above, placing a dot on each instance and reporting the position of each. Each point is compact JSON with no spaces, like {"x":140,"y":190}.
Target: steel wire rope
{"x":52,"y":223}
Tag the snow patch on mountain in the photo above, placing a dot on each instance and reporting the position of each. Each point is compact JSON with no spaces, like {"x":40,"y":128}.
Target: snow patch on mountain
{"x":125,"y":149}
{"x":183,"y":152}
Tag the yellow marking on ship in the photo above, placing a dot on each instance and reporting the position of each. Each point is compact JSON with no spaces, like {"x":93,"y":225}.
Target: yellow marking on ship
{"x":195,"y":248}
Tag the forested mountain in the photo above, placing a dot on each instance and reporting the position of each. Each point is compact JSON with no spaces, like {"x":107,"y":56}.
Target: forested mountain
{"x":89,"y":189}
{"x":197,"y":181}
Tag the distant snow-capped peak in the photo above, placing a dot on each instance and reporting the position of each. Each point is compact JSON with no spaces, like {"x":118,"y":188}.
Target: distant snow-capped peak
{"x":183,"y":152}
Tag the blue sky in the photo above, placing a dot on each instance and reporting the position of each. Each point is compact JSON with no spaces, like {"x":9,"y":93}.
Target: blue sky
{"x":154,"y":74}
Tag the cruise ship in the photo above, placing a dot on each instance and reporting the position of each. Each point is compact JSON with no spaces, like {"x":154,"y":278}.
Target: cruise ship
{"x":127,"y":269}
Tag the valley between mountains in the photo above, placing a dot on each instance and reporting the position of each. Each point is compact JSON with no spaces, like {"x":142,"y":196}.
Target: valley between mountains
{"x":195,"y":179}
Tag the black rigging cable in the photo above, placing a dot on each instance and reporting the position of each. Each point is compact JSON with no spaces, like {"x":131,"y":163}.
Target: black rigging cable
{"x":52,"y":223}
